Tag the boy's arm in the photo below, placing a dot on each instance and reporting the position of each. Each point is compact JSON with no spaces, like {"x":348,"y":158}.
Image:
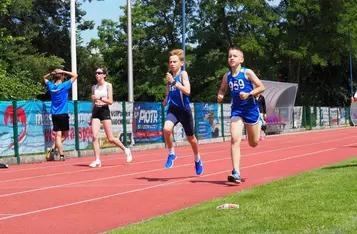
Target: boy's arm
{"x":222,"y":90}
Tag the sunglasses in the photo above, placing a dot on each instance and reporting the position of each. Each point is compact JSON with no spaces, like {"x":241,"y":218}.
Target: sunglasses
{"x":99,"y":73}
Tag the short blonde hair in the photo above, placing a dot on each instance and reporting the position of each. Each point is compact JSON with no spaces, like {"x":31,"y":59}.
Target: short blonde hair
{"x":236,"y":48}
{"x":178,"y":53}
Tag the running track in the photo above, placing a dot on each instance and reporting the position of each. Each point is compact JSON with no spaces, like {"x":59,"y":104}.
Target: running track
{"x":70,"y":197}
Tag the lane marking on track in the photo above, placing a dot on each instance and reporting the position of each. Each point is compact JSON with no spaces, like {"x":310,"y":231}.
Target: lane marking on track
{"x":160,"y":185}
{"x":139,"y":154}
{"x":160,"y":160}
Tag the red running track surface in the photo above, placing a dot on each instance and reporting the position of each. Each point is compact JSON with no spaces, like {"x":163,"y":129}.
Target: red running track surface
{"x":70,"y":197}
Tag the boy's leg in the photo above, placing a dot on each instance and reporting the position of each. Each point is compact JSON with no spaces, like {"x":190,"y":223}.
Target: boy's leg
{"x":237,"y":126}
{"x":186,"y":119}
{"x":198,"y":162}
{"x":253,"y":133}
{"x":168,"y":126}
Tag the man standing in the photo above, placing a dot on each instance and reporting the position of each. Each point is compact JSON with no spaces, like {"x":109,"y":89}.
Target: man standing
{"x":59,"y":107}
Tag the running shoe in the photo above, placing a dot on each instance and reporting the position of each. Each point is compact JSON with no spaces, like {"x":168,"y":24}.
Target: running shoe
{"x":170,"y":160}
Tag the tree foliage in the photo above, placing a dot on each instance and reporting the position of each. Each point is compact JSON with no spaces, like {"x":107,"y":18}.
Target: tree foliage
{"x":298,"y":41}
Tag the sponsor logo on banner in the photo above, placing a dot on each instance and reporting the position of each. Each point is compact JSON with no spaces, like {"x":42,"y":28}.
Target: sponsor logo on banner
{"x":207,"y":121}
{"x":147,"y":123}
{"x":21,"y":119}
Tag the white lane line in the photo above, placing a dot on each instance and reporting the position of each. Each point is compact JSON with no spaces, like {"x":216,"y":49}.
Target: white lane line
{"x":158,"y":160}
{"x":139,"y":154}
{"x":158,"y":185}
{"x":149,"y":171}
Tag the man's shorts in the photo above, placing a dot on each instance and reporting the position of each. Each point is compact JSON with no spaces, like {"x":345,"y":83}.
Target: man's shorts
{"x":60,"y":122}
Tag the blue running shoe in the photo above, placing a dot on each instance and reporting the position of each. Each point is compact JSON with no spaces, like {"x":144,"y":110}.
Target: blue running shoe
{"x":170,"y":160}
{"x":199,"y":167}
{"x":234,"y":177}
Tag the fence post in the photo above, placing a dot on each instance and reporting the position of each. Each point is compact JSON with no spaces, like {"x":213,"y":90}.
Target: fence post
{"x":320,"y":116}
{"x":338,"y":116}
{"x":195,"y":111}
{"x":293,"y":117}
{"x":329,"y":117}
{"x":310,"y":116}
{"x":125,"y":140}
{"x":15,"y":131}
{"x":163,"y":123}
{"x":348,"y":116}
{"x":222,"y":121}
{"x":76,"y":129}
{"x":304,"y":110}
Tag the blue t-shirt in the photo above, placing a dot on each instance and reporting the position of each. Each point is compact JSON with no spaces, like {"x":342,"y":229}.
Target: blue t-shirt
{"x":176,"y":97}
{"x":238,"y":84}
{"x":59,"y":96}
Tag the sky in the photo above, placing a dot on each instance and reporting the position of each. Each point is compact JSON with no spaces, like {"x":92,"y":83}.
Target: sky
{"x":108,"y":9}
{"x":96,"y":11}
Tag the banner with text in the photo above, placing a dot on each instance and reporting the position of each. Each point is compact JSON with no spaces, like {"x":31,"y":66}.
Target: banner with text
{"x":147,"y":123}
{"x":207,"y":120}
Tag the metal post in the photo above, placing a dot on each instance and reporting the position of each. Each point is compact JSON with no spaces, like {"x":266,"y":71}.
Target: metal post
{"x":222,"y":120}
{"x":130,"y":55}
{"x":163,"y":123}
{"x":16,"y":131}
{"x":310,"y":116}
{"x":351,"y":78}
{"x":293,"y":117}
{"x":184,"y":33}
{"x":125,"y":140}
{"x":76,"y":128}
{"x":195,"y":120}
{"x":73,"y":48}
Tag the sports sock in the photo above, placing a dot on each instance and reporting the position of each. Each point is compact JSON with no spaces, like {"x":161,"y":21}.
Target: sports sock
{"x":234,"y":171}
{"x":171,"y":150}
{"x":197,"y":157}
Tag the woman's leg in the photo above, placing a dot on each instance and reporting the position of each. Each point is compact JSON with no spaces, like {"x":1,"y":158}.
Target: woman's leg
{"x":107,"y":124}
{"x":96,"y":149}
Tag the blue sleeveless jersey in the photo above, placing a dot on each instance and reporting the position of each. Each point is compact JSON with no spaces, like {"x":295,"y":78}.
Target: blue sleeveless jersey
{"x":247,"y":109}
{"x":176,"y":97}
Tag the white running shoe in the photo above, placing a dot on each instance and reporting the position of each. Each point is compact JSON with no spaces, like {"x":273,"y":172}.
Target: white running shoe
{"x":95,"y":164}
{"x":129,"y":157}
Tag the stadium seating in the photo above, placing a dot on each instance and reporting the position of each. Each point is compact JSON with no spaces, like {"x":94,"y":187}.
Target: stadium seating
{"x":275,"y":123}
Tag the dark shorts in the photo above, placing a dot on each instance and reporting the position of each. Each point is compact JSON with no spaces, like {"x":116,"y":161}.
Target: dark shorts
{"x":184,"y":116}
{"x":60,"y":122}
{"x":101,"y":112}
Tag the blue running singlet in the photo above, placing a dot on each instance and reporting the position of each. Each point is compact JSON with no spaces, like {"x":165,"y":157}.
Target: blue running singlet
{"x":247,"y":109}
{"x":176,"y":97}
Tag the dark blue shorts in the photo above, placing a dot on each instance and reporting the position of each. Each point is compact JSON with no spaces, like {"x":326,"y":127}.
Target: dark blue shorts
{"x":184,"y":116}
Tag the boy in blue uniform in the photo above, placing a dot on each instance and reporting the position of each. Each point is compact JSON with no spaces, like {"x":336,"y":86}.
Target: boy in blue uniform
{"x":178,"y":91}
{"x":244,"y":85}
{"x":59,"y":107}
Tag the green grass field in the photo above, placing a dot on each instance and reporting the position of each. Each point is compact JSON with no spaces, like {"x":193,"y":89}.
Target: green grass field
{"x":323,"y":200}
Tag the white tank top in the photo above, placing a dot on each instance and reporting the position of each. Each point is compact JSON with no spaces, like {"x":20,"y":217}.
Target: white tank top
{"x":101,"y":91}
